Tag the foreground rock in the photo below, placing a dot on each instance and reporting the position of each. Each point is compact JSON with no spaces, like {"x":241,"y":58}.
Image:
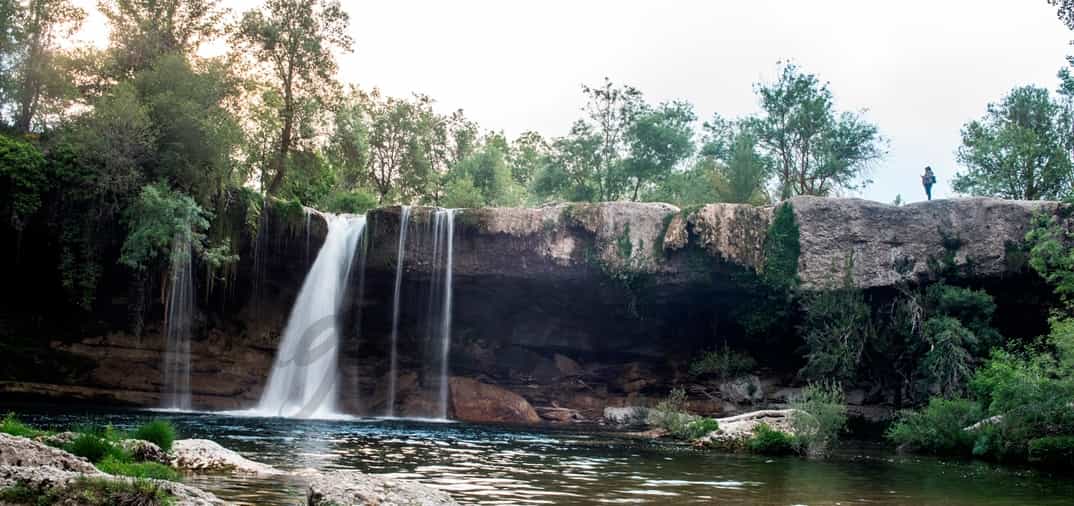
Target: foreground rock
{"x":208,"y":456}
{"x":21,"y":452}
{"x":353,"y":488}
{"x":45,"y":470}
{"x":474,"y":401}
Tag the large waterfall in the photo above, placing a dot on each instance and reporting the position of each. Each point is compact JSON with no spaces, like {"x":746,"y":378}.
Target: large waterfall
{"x":400,"y":258}
{"x":178,"y":323}
{"x":305,"y":375}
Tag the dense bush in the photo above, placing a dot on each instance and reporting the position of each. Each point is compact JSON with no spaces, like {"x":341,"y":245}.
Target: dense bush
{"x":838,"y":327}
{"x":938,"y":428}
{"x":820,"y":416}
{"x":670,"y":415}
{"x":22,"y":178}
{"x":768,"y":441}
{"x":158,"y":432}
{"x":352,"y":202}
{"x":1052,"y":451}
{"x":723,"y":363}
{"x":93,"y":448}
{"x":699,"y":428}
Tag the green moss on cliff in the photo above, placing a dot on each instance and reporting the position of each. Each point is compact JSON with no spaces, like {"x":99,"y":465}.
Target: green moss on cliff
{"x":782,"y":248}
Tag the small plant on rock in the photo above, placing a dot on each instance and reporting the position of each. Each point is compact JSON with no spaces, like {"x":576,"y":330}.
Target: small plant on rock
{"x":158,"y":432}
{"x":820,"y":416}
{"x":723,"y":363}
{"x":769,"y":441}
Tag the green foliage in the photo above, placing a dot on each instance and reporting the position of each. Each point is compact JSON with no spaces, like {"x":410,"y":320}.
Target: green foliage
{"x":161,"y":223}
{"x":158,"y":432}
{"x":118,"y":466}
{"x":938,"y":428}
{"x":768,"y":441}
{"x":947,"y":366}
{"x":820,"y":416}
{"x":1030,"y":396}
{"x":741,"y":171}
{"x":92,"y":492}
{"x":94,"y":447}
{"x":461,"y":193}
{"x":723,"y":363}
{"x":1019,"y":150}
{"x":782,"y":247}
{"x":657,"y":139}
{"x":972,"y":309}
{"x":1049,"y":256}
{"x":1052,"y":451}
{"x":352,"y":202}
{"x":22,"y":178}
{"x":12,"y":425}
{"x":817,"y":151}
{"x":670,"y":415}
{"x":837,"y":329}
{"x":699,"y":428}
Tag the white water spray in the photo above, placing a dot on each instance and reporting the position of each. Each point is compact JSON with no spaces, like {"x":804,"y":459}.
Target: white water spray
{"x":305,"y":375}
{"x":400,"y":258}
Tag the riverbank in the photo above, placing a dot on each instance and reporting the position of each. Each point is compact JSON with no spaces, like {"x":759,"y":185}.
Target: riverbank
{"x":487,"y":464}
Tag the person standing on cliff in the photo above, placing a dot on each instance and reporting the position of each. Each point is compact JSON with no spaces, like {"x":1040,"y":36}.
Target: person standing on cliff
{"x":927,"y":180}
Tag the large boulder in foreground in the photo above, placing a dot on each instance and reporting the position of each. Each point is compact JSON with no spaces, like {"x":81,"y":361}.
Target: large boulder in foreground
{"x":353,"y":488}
{"x":50,"y":471}
{"x":473,"y":401}
{"x":22,"y":452}
{"x":203,"y":455}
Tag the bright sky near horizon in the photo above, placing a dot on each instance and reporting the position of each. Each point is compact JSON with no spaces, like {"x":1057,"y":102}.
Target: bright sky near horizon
{"x":919,"y":68}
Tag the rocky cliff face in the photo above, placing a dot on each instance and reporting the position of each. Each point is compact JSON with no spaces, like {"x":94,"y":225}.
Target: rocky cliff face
{"x":570,"y":308}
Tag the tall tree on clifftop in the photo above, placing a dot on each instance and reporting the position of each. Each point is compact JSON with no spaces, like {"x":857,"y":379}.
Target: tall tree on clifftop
{"x":1019,"y":150}
{"x":816,"y":150}
{"x":144,"y":30}
{"x":293,"y":41}
{"x":35,"y":76}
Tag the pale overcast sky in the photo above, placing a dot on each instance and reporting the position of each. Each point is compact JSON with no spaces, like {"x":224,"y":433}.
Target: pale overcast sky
{"x":920,"y":68}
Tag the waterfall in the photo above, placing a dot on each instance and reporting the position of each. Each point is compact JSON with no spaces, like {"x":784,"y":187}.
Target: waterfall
{"x":304,"y":377}
{"x":438,"y":322}
{"x":400,"y":257}
{"x":179,"y":316}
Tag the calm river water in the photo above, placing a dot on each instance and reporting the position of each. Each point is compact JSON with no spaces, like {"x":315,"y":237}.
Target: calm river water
{"x":481,"y":464}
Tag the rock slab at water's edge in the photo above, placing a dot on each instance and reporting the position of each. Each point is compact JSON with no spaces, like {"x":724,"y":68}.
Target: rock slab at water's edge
{"x":354,"y":488}
{"x":203,"y":455}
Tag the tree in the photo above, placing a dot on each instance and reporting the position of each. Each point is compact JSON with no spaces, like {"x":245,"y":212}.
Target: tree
{"x":398,"y":161}
{"x":529,"y":152}
{"x":658,"y":140}
{"x":573,"y":166}
{"x":487,"y":172}
{"x":611,"y":111}
{"x":1065,"y":11}
{"x":740,"y":170}
{"x":293,"y":40}
{"x":144,"y":30}
{"x":36,"y":77}
{"x":1019,"y":150}
{"x":816,"y":151}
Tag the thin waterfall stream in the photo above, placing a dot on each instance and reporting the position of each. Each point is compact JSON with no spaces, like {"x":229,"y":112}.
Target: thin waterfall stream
{"x":400,"y":258}
{"x":305,"y":374}
{"x":178,"y":325}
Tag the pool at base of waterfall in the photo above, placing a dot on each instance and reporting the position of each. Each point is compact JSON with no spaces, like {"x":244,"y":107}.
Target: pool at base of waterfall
{"x":483,"y":464}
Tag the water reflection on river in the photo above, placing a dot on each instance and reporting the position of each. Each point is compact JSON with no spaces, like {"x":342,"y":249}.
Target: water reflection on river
{"x":497,"y":465}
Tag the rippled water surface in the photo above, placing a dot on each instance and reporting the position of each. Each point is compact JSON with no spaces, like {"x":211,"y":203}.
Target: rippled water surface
{"x":480,"y":464}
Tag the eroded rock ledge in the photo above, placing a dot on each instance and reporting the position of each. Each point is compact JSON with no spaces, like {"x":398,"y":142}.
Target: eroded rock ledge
{"x":888,"y":243}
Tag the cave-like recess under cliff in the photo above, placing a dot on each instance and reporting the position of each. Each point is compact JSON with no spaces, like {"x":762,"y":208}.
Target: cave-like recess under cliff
{"x":575,"y":307}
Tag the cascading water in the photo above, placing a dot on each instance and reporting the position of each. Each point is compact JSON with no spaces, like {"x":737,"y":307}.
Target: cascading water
{"x":303,"y":382}
{"x":438,"y":321}
{"x":400,"y":258}
{"x":179,"y":316}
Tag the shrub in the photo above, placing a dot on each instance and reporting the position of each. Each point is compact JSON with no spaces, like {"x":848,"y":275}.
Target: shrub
{"x":1052,"y":451}
{"x":938,"y":428}
{"x":723,"y":363}
{"x":158,"y":432}
{"x":108,"y":492}
{"x":670,"y":414}
{"x":699,"y":428}
{"x":837,"y":328}
{"x":118,"y":466}
{"x":820,"y":416}
{"x":93,"y":448}
{"x":768,"y":441}
{"x":353,"y":202}
{"x":12,"y":425}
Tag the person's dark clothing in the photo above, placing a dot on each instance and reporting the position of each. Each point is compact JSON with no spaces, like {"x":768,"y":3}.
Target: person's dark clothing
{"x":928,"y":180}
